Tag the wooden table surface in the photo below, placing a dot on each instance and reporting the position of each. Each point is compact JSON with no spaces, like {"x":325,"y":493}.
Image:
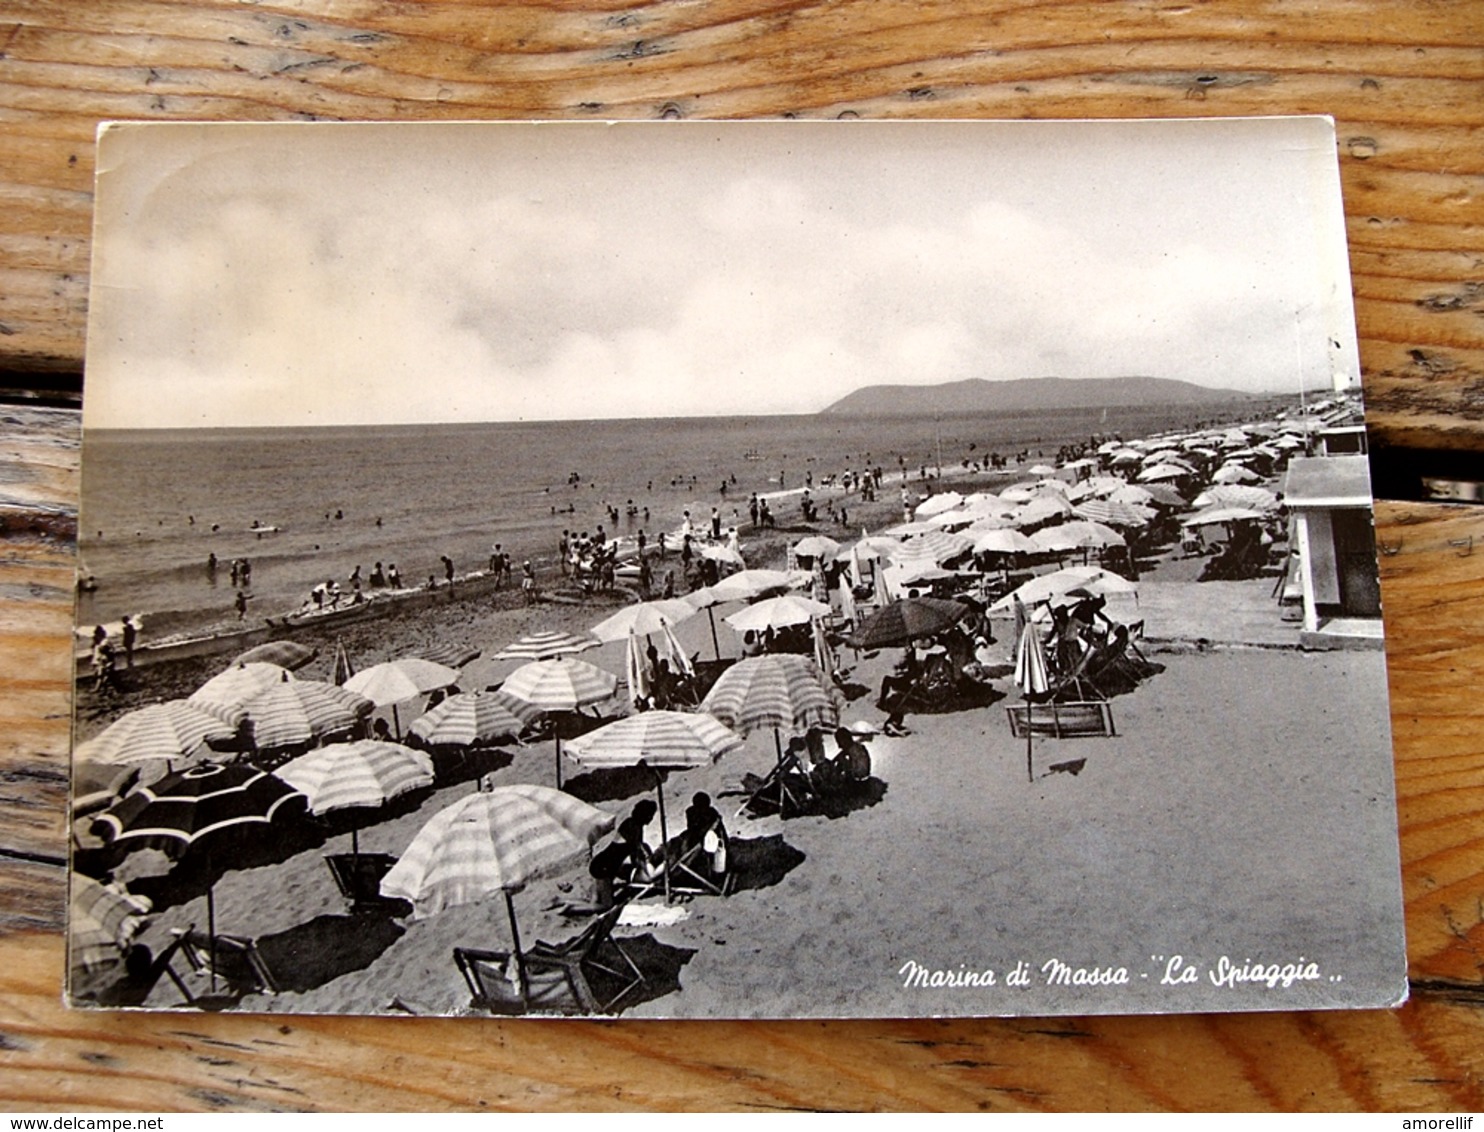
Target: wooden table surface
{"x":1405,"y":83}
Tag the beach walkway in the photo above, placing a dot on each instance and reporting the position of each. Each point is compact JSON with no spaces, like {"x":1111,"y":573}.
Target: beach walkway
{"x":1217,"y":613}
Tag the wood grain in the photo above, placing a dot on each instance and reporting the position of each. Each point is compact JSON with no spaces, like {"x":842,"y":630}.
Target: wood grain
{"x":1405,"y":82}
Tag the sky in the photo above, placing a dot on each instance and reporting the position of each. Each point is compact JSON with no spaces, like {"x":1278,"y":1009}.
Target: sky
{"x":272,"y":274}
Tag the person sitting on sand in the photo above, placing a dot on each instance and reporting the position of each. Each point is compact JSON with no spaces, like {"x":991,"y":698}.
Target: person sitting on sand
{"x":704,"y":828}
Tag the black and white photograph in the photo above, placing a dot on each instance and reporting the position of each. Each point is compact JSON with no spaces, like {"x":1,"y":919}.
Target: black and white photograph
{"x":787,"y":569}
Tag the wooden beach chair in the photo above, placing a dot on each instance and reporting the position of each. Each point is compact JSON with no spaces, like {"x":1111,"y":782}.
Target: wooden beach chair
{"x":686,"y":878}
{"x":235,"y":960}
{"x":786,"y":787}
{"x":358,"y":876}
{"x":558,"y":976}
{"x":1084,"y":719}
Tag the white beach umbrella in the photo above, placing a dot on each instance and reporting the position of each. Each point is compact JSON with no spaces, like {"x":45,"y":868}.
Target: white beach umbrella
{"x":644,"y":618}
{"x":777,"y":613}
{"x":935,"y":504}
{"x":1078,"y":535}
{"x":397,"y":681}
{"x":1008,"y":541}
{"x":1048,"y":587}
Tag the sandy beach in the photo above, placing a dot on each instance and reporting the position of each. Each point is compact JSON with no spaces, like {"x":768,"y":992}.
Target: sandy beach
{"x":1221,"y":822}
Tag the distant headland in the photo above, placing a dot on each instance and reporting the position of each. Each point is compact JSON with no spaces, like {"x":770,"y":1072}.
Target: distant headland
{"x":1030,"y":394}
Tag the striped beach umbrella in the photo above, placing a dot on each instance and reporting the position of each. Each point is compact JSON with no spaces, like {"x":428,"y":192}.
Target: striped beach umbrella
{"x":101,"y":925}
{"x":1004,"y":541}
{"x":469,"y":719}
{"x":346,"y":776}
{"x":778,"y":690}
{"x":934,"y":546}
{"x":226,"y":693}
{"x":173,"y":730}
{"x":1081,"y":534}
{"x":298,"y":712}
{"x":495,"y":841}
{"x":548,"y":644}
{"x":450,"y":655}
{"x":674,"y":739}
{"x":1113,"y":513}
{"x":660,"y":740}
{"x":195,"y":805}
{"x":560,"y":686}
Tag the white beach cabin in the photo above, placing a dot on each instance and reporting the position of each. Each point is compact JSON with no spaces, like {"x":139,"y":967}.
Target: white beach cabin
{"x":1329,"y":498}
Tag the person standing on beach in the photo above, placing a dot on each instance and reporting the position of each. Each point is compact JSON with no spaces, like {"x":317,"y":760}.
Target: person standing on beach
{"x":715,"y":525}
{"x":447,"y":568}
{"x":241,"y":605}
{"x":393,"y":578}
{"x":564,"y":548}
{"x":131,"y":631}
{"x":752,"y":509}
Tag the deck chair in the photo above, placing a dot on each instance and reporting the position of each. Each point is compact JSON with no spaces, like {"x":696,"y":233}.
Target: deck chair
{"x":688,"y":877}
{"x":135,"y":988}
{"x":558,"y":975}
{"x":234,"y":960}
{"x":358,"y":876}
{"x":786,"y":786}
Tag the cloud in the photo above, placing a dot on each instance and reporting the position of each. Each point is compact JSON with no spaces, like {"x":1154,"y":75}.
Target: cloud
{"x":252,"y":286}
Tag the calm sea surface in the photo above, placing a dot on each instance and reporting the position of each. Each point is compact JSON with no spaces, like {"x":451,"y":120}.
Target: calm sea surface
{"x":155,"y":504}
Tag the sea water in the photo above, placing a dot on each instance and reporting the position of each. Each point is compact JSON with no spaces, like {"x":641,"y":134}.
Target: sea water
{"x":156,"y":504}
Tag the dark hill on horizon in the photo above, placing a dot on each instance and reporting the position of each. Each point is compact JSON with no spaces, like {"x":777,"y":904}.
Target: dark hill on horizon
{"x":1029,"y":394}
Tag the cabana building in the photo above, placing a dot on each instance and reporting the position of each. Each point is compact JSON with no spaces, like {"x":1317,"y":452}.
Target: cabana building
{"x":1329,"y":499}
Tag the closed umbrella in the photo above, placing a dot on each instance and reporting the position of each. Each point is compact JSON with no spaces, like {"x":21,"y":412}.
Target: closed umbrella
{"x":1033,"y":678}
{"x":560,"y":685}
{"x":343,"y":669}
{"x":495,"y":841}
{"x":469,"y":719}
{"x":660,"y":740}
{"x":173,"y":730}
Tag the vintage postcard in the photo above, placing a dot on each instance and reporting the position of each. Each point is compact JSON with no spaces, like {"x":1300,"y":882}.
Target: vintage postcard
{"x":728,"y":570}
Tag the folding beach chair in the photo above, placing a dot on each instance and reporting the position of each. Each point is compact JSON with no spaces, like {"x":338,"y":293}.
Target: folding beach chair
{"x":358,"y":876}
{"x":785,"y":787}
{"x":558,"y":976}
{"x":688,"y":877}
{"x":235,"y":960}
